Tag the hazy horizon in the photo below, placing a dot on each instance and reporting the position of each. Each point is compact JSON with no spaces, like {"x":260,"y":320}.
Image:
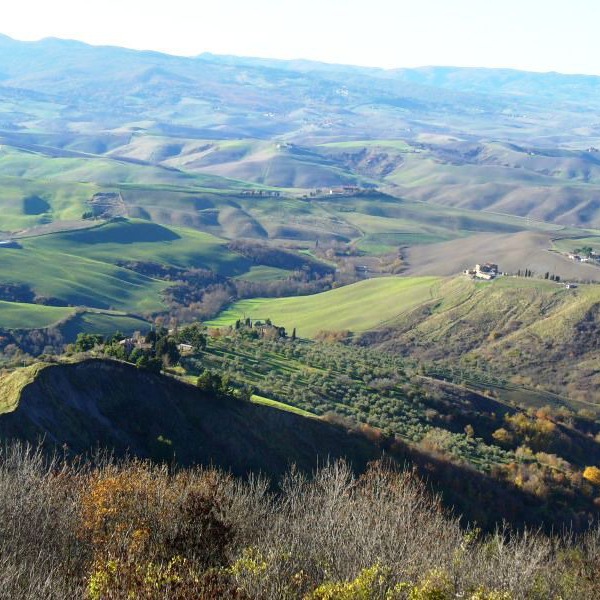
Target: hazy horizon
{"x":526,"y":36}
{"x":296,"y":58}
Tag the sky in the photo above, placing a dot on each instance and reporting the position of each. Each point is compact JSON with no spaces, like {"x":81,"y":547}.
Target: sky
{"x":534,"y":35}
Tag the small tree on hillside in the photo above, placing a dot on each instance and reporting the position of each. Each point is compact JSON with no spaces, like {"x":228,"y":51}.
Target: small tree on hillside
{"x":87,"y":341}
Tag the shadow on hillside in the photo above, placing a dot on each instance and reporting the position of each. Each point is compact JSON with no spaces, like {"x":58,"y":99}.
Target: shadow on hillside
{"x":122,"y":231}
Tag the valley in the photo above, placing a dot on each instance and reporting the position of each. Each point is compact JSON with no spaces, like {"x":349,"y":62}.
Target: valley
{"x":250,"y":263}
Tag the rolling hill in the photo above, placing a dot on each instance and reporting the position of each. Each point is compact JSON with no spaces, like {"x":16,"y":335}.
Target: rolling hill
{"x":514,"y":329}
{"x":498,"y":140}
{"x":369,"y":304}
{"x":115,"y":406}
{"x":96,"y":404}
{"x":170,"y":159}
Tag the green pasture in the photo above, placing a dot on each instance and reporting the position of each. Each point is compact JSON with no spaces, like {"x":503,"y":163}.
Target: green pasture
{"x":264,"y":273}
{"x":78,"y":280}
{"x":104,"y":323}
{"x":365,"y":305}
{"x":570,"y":244}
{"x":105,"y":171}
{"x":25,"y":203}
{"x":78,"y":268}
{"x":137,"y":240}
{"x":18,"y":315}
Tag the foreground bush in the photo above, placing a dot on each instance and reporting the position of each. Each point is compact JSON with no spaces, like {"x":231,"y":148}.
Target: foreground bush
{"x":134,"y":530}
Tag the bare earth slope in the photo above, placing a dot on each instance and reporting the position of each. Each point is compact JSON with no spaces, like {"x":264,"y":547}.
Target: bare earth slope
{"x":513,"y":252}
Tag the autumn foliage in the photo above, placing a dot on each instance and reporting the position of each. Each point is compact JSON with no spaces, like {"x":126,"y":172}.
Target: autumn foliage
{"x":592,"y":474}
{"x":107,"y":531}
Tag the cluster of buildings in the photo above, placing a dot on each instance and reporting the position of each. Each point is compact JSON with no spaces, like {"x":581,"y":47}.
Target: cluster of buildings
{"x":345,"y":190}
{"x":137,"y":340}
{"x":592,"y":257}
{"x":262,"y":193}
{"x":483,"y":271}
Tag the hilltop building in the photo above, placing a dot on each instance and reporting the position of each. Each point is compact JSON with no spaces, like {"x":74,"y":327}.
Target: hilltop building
{"x":483,"y":271}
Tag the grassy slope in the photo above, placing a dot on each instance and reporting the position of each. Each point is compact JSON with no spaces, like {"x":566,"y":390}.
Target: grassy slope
{"x":21,"y":316}
{"x":532,"y":331}
{"x":100,"y":170}
{"x":144,"y":241}
{"x":510,"y":329}
{"x":364,"y":305}
{"x":104,"y":323}
{"x":67,"y":201}
{"x":80,"y":281}
{"x":31,"y":316}
{"x":12,"y":384}
{"x":264,"y":273}
{"x":261,"y":400}
{"x":492,"y":187}
{"x":78,"y":268}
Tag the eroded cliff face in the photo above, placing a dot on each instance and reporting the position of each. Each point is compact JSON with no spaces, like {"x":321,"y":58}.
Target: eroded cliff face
{"x":110,"y":405}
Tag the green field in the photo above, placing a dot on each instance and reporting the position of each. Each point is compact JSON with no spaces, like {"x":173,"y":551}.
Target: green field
{"x":570,"y":244}
{"x":104,"y":323}
{"x":12,"y":384}
{"x":79,"y":281}
{"x":17,"y":315}
{"x":358,"y":307}
{"x":101,"y":170}
{"x":78,"y":267}
{"x":136,"y":240}
{"x":264,"y":273}
{"x":52,"y":201}
{"x":70,"y":321}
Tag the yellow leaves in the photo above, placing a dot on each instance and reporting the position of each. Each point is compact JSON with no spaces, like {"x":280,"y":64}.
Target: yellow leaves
{"x":371,"y":584}
{"x":251,"y":562}
{"x":592,"y":474}
{"x":483,"y":594}
{"x":152,"y":532}
{"x":130,"y":579}
{"x":503,"y":436}
{"x":109,"y":502}
{"x":101,"y":579}
{"x":366,"y":586}
{"x":436,"y":585}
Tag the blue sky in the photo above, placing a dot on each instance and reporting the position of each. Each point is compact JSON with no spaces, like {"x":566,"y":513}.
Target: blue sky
{"x":538,"y":35}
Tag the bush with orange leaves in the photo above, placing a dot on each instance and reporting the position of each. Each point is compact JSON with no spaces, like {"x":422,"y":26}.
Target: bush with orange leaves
{"x":152,"y":534}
